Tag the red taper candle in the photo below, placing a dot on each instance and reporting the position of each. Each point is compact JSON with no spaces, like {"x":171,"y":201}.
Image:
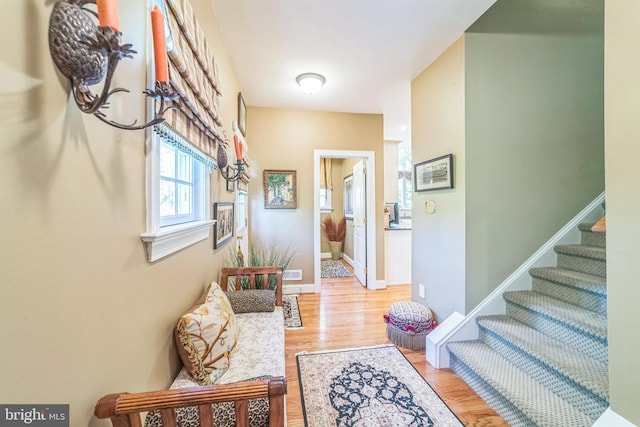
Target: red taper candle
{"x":108,"y":14}
{"x":238,"y":146}
{"x":159,"y":45}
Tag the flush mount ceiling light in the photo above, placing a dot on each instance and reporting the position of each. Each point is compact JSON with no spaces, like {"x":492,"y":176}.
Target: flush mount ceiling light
{"x":310,"y":82}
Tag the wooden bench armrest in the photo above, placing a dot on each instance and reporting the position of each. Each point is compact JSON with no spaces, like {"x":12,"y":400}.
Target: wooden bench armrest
{"x":251,"y":273}
{"x":124,"y":408}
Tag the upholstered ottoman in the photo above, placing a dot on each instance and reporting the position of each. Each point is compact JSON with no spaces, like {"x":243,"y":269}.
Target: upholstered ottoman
{"x":408,"y":324}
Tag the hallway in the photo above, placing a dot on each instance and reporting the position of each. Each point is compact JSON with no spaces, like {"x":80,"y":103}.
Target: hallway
{"x":347,"y":315}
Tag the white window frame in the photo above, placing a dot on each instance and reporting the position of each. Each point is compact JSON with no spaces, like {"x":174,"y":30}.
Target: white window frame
{"x":329,"y":200}
{"x":163,"y":241}
{"x":242,"y":205}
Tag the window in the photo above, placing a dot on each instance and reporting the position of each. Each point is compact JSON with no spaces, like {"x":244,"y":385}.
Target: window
{"x":405,"y":183}
{"x":180,"y":179}
{"x":241,"y":210}
{"x":326,"y":170}
{"x":325,"y":199}
{"x":177,"y":194}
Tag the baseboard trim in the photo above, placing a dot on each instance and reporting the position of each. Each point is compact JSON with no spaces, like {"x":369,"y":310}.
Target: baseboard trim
{"x":298,"y":289}
{"x":611,"y":419}
{"x":348,"y":259}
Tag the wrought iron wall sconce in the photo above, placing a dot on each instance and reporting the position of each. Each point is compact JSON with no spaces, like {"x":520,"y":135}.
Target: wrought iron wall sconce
{"x":230,"y":173}
{"x":88,"y":54}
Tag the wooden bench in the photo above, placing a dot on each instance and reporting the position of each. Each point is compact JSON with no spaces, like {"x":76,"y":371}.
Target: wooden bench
{"x":125,"y":409}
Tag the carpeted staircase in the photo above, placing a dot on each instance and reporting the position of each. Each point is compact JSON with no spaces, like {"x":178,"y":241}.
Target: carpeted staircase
{"x":544,"y":363}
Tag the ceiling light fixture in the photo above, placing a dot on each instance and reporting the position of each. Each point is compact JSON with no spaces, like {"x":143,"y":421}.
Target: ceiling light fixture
{"x":311,"y":82}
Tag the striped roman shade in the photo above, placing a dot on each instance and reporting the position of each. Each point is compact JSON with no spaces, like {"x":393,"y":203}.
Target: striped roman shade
{"x":195,"y":76}
{"x":325,"y":173}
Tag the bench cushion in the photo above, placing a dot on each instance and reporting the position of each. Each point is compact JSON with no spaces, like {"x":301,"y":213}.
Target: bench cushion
{"x":259,"y":351}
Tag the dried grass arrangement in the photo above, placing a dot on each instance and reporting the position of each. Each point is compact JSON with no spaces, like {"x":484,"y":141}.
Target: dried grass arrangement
{"x":334,"y":230}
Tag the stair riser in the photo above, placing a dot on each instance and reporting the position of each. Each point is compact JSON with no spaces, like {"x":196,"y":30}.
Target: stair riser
{"x":572,"y":295}
{"x":585,"y":265}
{"x":590,"y":345}
{"x":590,"y":238}
{"x":574,"y":393}
{"x":499,"y":403}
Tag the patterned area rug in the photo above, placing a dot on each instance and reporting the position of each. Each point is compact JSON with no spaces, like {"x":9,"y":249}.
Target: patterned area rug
{"x":332,"y":269}
{"x":369,"y":386}
{"x":291,"y":309}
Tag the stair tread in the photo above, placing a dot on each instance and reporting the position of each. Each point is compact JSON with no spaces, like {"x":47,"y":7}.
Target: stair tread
{"x":584,"y":370}
{"x":585,"y":226}
{"x":540,"y":404}
{"x":577,"y":279}
{"x":593,"y":252}
{"x":584,"y":320}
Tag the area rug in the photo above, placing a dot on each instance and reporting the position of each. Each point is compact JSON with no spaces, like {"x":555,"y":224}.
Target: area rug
{"x":291,"y":310}
{"x":332,"y":269}
{"x":368,"y":386}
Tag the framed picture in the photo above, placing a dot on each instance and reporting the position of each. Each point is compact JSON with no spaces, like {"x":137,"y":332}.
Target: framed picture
{"x":230,"y":184}
{"x":348,"y":196}
{"x":434,"y":174}
{"x":279,"y":189}
{"x":242,"y":115}
{"x":223,"y":227}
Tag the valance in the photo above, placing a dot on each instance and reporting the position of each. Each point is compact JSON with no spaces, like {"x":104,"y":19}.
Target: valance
{"x":170,"y":135}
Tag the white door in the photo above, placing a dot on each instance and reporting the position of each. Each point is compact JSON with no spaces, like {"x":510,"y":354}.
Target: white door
{"x":360,"y":222}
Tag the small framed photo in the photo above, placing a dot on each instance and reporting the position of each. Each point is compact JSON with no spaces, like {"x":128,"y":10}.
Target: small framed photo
{"x":434,"y":174}
{"x":231,"y":185}
{"x":348,"y":196}
{"x":223,"y":227}
{"x":242,"y":115}
{"x":280,"y":189}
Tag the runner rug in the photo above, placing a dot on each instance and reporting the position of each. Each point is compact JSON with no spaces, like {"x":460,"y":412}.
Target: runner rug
{"x":291,"y":310}
{"x":369,"y":386}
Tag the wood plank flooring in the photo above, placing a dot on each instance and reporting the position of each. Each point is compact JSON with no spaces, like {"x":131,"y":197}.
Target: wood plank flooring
{"x":345,"y":314}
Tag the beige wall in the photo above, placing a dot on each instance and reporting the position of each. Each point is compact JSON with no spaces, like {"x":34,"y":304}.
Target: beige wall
{"x":82,"y":312}
{"x":437,"y":128}
{"x":622,"y":151}
{"x":285,"y":139}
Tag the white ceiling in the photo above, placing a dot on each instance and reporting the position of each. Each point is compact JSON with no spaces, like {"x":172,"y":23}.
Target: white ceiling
{"x":368,"y":50}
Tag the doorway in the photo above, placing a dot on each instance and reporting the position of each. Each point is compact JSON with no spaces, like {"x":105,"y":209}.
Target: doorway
{"x":368,"y":159}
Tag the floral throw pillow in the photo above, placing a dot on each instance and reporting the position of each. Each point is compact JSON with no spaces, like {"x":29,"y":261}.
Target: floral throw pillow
{"x":204,"y":337}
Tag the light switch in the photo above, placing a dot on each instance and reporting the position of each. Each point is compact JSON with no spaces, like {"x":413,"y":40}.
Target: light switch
{"x":430,"y":206}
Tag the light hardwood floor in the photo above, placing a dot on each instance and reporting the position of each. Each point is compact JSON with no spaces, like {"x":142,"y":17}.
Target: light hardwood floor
{"x":344,"y":315}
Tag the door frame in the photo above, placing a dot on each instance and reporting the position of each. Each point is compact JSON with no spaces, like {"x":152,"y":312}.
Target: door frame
{"x":369,"y":158}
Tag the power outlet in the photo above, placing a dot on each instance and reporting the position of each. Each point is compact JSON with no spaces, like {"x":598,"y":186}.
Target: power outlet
{"x":421,"y":290}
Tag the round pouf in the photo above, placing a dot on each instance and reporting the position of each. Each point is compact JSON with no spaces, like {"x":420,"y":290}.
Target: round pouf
{"x":408,"y":323}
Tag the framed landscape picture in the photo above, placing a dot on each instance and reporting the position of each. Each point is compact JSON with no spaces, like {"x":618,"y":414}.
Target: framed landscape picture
{"x":242,"y":115}
{"x":223,"y":227}
{"x":279,"y":189}
{"x":434,"y":174}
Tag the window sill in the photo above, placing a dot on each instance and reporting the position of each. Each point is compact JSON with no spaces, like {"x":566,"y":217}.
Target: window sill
{"x":174,"y":238}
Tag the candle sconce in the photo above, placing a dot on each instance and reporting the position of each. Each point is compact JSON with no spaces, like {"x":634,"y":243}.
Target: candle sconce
{"x":229,"y":173}
{"x":88,"y":54}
